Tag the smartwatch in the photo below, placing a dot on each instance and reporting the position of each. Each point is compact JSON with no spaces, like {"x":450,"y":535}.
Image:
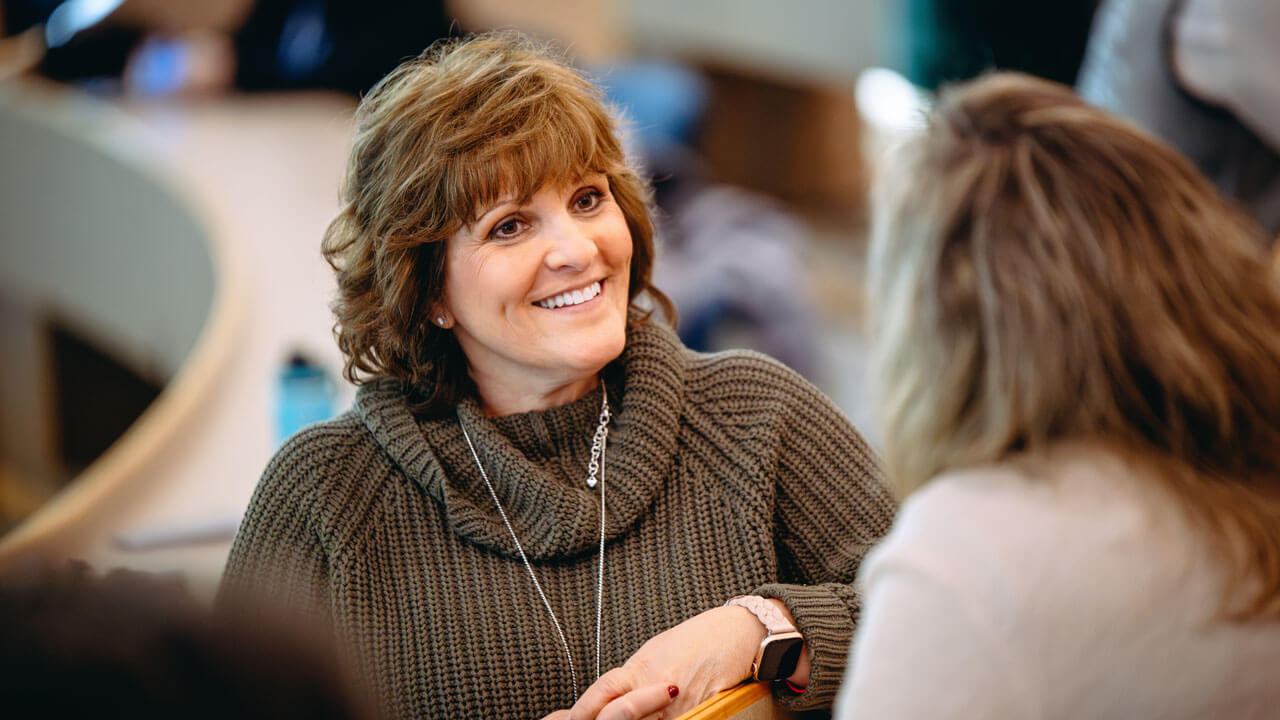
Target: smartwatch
{"x":780,"y":650}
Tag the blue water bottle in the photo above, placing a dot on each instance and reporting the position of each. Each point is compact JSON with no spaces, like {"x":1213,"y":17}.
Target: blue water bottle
{"x":304,"y":395}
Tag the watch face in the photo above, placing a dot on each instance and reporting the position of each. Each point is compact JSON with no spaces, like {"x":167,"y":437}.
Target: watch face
{"x":780,"y":655}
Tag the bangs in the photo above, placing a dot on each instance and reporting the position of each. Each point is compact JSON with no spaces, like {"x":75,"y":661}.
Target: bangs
{"x":543,"y":140}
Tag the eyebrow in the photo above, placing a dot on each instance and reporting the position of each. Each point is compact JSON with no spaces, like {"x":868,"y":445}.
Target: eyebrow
{"x":580,"y":177}
{"x":495,"y":205}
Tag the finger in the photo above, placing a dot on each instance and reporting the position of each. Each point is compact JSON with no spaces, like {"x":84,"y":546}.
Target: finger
{"x":640,"y":702}
{"x":615,"y":683}
{"x":558,"y":715}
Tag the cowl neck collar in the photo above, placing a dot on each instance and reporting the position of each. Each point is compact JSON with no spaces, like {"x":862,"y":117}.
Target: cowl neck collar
{"x":537,"y":461}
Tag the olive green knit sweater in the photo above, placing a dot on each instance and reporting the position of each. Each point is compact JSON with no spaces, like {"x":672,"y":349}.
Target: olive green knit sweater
{"x":725,"y":474}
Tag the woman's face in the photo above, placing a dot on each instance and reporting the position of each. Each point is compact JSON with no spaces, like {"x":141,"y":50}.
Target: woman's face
{"x":538,"y":292}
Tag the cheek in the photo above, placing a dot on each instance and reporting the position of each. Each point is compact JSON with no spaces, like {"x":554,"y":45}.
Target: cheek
{"x":620,"y":254}
{"x":624,"y":255}
{"x":477,"y":279}
{"x":454,"y":293}
{"x":619,"y":248}
{"x":453,"y":262}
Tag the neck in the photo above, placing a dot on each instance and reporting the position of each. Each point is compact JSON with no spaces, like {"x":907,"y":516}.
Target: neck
{"x":498,"y":399}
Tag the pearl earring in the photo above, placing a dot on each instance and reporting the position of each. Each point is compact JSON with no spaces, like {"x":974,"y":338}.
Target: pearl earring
{"x":440,"y":321}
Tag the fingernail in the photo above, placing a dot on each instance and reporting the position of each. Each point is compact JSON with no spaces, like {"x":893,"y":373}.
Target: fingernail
{"x":672,"y":690}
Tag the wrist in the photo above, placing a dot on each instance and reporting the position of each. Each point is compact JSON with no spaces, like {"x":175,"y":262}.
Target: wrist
{"x":798,"y":681}
{"x":746,"y":640}
{"x":780,"y":650}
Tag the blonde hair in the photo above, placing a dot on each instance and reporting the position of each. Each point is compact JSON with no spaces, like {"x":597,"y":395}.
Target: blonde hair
{"x":469,"y":121}
{"x":1044,"y":271}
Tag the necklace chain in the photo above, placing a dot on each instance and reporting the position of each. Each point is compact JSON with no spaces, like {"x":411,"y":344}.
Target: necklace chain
{"x":596,"y":466}
{"x":597,"y":442}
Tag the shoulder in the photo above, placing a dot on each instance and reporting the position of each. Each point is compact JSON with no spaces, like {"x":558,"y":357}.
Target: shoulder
{"x":737,"y":396}
{"x":808,"y":433}
{"x":734,"y":381}
{"x":320,"y":444}
{"x":999,"y":529}
{"x":956,"y":515}
{"x":748,"y":379}
{"x":316,"y":465}
{"x":740,"y":364}
{"x":653,"y":343}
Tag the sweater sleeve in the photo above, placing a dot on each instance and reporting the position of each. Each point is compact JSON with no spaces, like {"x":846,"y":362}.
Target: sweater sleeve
{"x":277,"y":561}
{"x":831,"y":507}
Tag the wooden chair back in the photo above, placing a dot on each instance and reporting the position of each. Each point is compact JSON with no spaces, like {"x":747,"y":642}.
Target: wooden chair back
{"x":748,"y":701}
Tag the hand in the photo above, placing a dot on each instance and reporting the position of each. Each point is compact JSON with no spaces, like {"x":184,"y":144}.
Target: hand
{"x":701,"y":656}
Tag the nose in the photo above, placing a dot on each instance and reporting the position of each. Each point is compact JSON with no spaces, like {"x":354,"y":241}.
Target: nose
{"x":572,"y":246}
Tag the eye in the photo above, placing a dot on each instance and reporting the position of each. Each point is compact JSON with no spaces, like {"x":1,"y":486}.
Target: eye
{"x":588,"y":200}
{"x":507,"y":229}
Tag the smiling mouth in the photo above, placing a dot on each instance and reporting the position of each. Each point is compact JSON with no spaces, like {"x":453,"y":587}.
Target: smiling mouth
{"x":572,"y":297}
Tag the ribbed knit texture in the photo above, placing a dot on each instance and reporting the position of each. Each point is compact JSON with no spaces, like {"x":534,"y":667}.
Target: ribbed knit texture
{"x":726,"y":474}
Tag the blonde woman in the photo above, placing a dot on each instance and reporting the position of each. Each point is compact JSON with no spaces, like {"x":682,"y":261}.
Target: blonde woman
{"x":1080,"y":360}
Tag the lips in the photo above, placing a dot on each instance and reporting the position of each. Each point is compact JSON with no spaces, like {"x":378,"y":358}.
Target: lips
{"x":571,"y":297}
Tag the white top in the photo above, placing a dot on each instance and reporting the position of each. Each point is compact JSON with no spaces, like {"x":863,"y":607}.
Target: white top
{"x":1068,"y":589}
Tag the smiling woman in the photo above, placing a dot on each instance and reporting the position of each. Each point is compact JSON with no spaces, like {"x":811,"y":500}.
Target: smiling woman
{"x":537,"y":482}
{"x":449,"y":154}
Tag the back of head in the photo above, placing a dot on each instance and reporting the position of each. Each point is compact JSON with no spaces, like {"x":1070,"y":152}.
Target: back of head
{"x":73,"y":645}
{"x":1043,"y":271}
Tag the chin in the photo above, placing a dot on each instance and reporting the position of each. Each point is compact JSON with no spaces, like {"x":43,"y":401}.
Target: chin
{"x":603,"y":350}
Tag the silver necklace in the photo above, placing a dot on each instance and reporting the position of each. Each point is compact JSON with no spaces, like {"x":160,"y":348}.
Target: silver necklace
{"x":596,"y":465}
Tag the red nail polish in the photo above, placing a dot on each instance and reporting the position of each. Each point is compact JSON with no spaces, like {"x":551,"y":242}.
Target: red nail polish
{"x":672,"y":690}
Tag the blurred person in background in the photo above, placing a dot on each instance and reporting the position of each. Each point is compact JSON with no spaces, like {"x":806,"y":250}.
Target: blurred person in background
{"x":159,"y":47}
{"x":75,"y":645}
{"x":493,"y":256}
{"x":731,"y":259}
{"x":1079,"y":354}
{"x":1201,"y":75}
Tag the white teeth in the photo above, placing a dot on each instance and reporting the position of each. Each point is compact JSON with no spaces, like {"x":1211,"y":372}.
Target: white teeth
{"x":575,"y":297}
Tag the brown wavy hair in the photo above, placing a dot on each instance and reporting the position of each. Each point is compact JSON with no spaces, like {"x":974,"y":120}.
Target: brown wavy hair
{"x":444,"y":135}
{"x":1044,"y":271}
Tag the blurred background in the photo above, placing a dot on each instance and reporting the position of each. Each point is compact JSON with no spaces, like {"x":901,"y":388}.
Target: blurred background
{"x":167,"y":169}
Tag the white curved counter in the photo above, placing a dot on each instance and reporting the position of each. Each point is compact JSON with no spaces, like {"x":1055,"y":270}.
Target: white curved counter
{"x":257,"y":179}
